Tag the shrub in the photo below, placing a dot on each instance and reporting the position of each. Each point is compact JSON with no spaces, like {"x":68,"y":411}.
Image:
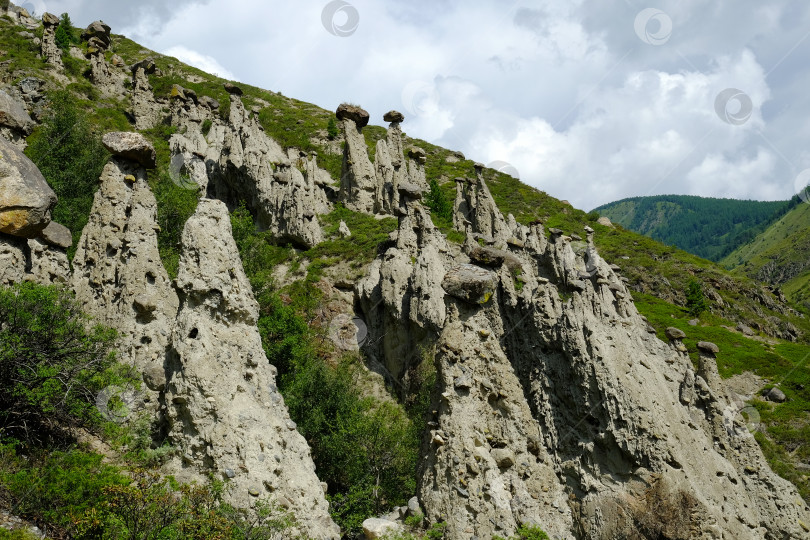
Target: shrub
{"x":71,"y":157}
{"x":51,"y":365}
{"x":332,"y":129}
{"x":206,"y":126}
{"x":65,"y":33}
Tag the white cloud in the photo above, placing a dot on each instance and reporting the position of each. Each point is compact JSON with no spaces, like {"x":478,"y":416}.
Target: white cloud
{"x":206,"y":63}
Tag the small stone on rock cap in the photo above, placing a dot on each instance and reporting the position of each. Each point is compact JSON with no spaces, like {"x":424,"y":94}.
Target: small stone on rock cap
{"x":394,"y":116}
{"x":708,"y":347}
{"x":232,"y":89}
{"x":57,"y":235}
{"x":675,"y":333}
{"x":132,"y":146}
{"x":351,"y":112}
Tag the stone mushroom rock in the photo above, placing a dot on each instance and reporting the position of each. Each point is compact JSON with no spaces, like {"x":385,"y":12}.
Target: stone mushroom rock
{"x":132,"y":146}
{"x":675,"y":333}
{"x":351,"y":112}
{"x":147,"y":65}
{"x":394,"y":116}
{"x":49,"y":19}
{"x":417,"y":154}
{"x":57,"y":235}
{"x":232,"y":89}
{"x":225,"y":411}
{"x":100,"y":31}
{"x":26,"y":199}
{"x":14,"y":116}
{"x":50,"y":50}
{"x":470,"y":283}
{"x":708,"y":347}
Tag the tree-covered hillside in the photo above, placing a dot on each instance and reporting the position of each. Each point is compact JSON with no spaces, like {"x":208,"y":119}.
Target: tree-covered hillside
{"x":708,"y":227}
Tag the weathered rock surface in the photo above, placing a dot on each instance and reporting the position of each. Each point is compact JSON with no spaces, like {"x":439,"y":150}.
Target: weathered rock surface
{"x":50,"y":50}
{"x":118,"y":275}
{"x":14,"y":119}
{"x":26,"y":199}
{"x":225,"y":411}
{"x":131,"y":146}
{"x":358,"y":179}
{"x":13,"y":259}
{"x":48,"y":264}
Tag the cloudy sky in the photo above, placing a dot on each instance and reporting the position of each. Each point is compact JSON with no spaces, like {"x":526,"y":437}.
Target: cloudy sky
{"x":589,"y":100}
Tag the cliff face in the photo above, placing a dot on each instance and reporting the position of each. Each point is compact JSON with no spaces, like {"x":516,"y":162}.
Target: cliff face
{"x":554,"y":404}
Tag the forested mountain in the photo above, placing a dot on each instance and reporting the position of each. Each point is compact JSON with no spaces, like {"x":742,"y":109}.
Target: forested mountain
{"x":708,"y":227}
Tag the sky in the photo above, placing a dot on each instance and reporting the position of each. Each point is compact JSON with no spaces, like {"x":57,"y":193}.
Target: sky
{"x":589,"y":100}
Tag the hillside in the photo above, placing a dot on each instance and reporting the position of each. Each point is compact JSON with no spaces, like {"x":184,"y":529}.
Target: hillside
{"x":708,"y":227}
{"x":780,"y":255}
{"x":342,"y":322}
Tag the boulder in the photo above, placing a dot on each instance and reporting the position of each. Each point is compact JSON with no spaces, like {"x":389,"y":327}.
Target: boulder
{"x":132,"y":146}
{"x":775,"y":395}
{"x":57,"y":235}
{"x":417,"y":154}
{"x":470,"y":283}
{"x":675,"y":333}
{"x":411,"y":191}
{"x":605,"y":222}
{"x":13,"y":115}
{"x":745,"y":330}
{"x":147,"y":65}
{"x":414,"y":508}
{"x":209,"y":102}
{"x":351,"y":112}
{"x":26,"y":199}
{"x":394,"y":116}
{"x":343,"y":229}
{"x":49,"y":19}
{"x":232,"y":89}
{"x":495,"y":258}
{"x":708,"y":347}
{"x":503,"y":457}
{"x":100,"y":31}
{"x":376,"y":528}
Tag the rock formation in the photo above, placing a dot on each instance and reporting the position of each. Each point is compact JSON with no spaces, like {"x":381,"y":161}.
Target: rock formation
{"x":146,"y":110}
{"x":555,"y":406}
{"x":50,"y":50}
{"x":118,"y":275}
{"x":225,"y":411}
{"x":358,"y":178}
{"x":15,"y":123}
{"x":26,"y":199}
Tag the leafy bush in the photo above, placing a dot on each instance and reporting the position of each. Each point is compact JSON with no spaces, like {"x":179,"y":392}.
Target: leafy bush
{"x":51,"y":365}
{"x":71,"y":157}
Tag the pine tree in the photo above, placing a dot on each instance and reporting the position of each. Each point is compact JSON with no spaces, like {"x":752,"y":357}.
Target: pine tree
{"x":695,"y":299}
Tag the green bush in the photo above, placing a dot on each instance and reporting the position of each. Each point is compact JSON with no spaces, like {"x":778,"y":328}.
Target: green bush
{"x":438,"y":202}
{"x":52,"y":365}
{"x":332,"y":129}
{"x":66,"y":33}
{"x":71,"y":157}
{"x":695,"y":298}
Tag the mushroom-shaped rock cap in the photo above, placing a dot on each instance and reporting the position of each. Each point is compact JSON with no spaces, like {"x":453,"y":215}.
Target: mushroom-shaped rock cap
{"x":459,"y":180}
{"x":147,"y":64}
{"x":100,"y":30}
{"x":675,"y":333}
{"x":708,"y":347}
{"x":132,"y":146}
{"x":49,"y":19}
{"x":470,"y":283}
{"x":351,"y":112}
{"x":588,"y":230}
{"x":232,"y":89}
{"x":410,"y":191}
{"x":417,"y":154}
{"x":394,"y":116}
{"x":479,"y":166}
{"x":555,"y":231}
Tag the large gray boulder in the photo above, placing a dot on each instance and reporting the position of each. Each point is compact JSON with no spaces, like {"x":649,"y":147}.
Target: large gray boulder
{"x":470,"y":283}
{"x":354,"y":113}
{"x":26,"y":199}
{"x":100,"y":32}
{"x":13,"y":115}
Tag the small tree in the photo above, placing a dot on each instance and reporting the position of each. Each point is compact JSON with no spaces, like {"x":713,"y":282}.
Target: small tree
{"x":332,"y":129}
{"x":65,"y":33}
{"x":695,"y":299}
{"x":438,"y":202}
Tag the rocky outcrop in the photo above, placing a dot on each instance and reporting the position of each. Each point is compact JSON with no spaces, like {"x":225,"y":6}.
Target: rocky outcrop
{"x":475,"y":208}
{"x":146,"y":110}
{"x":358,"y":183}
{"x":118,"y":274}
{"x":26,"y":199}
{"x":50,"y":50}
{"x":224,"y":407}
{"x":555,"y":405}
{"x":15,"y":123}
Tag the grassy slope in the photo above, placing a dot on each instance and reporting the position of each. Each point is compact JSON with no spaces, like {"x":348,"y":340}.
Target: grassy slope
{"x":785,"y":244}
{"x":650,"y":266}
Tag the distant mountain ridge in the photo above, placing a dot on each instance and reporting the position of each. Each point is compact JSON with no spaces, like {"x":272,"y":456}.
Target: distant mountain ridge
{"x":708,"y":227}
